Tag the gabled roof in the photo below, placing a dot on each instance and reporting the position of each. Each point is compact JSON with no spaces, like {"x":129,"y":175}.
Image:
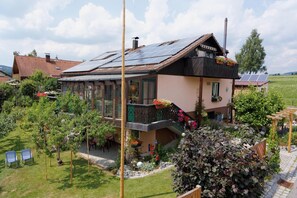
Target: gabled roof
{"x":145,"y":58}
{"x":252,"y":79}
{"x":6,"y":69}
{"x":27,"y":65}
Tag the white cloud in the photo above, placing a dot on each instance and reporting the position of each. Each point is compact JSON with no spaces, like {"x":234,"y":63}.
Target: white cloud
{"x":94,"y":29}
{"x":93,"y":21}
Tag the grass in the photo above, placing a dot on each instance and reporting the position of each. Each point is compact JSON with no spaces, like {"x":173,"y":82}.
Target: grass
{"x":29,"y":180}
{"x":286,"y":86}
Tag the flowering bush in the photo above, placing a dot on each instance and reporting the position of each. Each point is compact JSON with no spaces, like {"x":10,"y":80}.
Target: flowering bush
{"x":162,"y":103}
{"x":182,"y":118}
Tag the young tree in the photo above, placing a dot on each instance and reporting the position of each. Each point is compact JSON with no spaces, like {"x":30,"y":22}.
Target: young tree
{"x":252,"y":54}
{"x":39,"y":118}
{"x":33,"y":53}
{"x":95,"y":127}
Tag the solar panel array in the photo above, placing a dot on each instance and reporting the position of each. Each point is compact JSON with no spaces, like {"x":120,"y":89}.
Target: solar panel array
{"x":150,"y":54}
{"x":254,"y":77}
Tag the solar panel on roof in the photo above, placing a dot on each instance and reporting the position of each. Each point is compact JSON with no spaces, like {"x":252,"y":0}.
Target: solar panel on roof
{"x":263,"y":78}
{"x":151,"y":54}
{"x":253,"y":77}
{"x":245,"y":77}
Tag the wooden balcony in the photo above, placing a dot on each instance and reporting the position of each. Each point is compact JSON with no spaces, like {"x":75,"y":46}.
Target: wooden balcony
{"x":207,"y":67}
{"x":147,"y":117}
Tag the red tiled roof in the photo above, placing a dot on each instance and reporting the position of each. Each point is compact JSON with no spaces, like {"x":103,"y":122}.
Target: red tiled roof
{"x":27,"y":65}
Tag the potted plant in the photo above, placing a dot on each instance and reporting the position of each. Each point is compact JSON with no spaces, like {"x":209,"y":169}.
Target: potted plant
{"x":230,"y":62}
{"x":216,"y":98}
{"x":135,"y":143}
{"x":220,"y":60}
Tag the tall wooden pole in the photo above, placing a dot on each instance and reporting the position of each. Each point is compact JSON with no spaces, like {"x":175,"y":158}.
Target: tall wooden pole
{"x":88,"y":151}
{"x":123,"y":104}
{"x":290,"y":132}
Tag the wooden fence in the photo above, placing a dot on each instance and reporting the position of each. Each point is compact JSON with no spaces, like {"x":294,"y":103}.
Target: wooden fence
{"x":260,"y":148}
{"x":195,"y":193}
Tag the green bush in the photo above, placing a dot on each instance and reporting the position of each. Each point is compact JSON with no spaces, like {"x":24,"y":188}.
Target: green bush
{"x":7,"y":124}
{"x":28,"y":88}
{"x":6,"y":91}
{"x":208,"y":158}
{"x":253,"y":106}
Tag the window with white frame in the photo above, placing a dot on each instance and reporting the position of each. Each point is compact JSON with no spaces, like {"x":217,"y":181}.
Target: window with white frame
{"x":215,"y":91}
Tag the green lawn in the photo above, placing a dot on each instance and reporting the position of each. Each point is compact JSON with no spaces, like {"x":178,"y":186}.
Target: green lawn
{"x":286,"y":86}
{"x":29,"y":180}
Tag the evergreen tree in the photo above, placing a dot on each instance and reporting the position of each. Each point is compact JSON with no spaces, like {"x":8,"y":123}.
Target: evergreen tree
{"x":252,"y":54}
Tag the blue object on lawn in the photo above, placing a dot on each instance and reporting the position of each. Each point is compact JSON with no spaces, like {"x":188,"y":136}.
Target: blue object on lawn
{"x":26,"y":155}
{"x":10,"y":158}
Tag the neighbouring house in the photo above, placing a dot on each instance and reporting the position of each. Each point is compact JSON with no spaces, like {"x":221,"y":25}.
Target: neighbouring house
{"x":183,"y":71}
{"x":25,"y":66}
{"x":260,"y":81}
{"x":4,"y":77}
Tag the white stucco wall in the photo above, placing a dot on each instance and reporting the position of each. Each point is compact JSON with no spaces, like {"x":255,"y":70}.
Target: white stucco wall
{"x":181,"y":90}
{"x":225,"y":92}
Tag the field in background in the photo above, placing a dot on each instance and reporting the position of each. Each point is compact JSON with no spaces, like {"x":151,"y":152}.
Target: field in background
{"x":286,"y":86}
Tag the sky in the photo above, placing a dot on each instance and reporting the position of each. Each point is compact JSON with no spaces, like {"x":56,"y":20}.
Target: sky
{"x":82,"y":29}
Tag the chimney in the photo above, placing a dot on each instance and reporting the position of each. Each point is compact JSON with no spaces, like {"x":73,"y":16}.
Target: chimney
{"x":47,"y":57}
{"x":135,"y":42}
{"x":225,"y":38}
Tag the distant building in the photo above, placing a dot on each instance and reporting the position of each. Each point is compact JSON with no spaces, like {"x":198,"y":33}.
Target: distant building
{"x":258,"y":80}
{"x":25,"y":66}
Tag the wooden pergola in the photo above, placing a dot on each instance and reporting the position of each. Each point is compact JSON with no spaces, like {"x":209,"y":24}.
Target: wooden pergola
{"x":286,"y":113}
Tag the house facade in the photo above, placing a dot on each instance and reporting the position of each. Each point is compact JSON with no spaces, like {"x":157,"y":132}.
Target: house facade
{"x":25,"y":66}
{"x":182,"y":71}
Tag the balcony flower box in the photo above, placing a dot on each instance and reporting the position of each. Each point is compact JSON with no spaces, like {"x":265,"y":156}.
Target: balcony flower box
{"x":222,"y":60}
{"x":162,"y":103}
{"x":216,"y":99}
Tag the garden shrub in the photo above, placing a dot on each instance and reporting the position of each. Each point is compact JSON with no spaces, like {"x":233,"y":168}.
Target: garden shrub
{"x":208,"y":158}
{"x":6,"y":91}
{"x":253,"y":106}
{"x":7,"y":124}
{"x":28,"y":88}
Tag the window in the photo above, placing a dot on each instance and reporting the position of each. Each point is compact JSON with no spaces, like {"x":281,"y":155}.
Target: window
{"x":149,"y":90}
{"x":215,"y":93}
{"x":108,"y":97}
{"x":98,"y":98}
{"x":118,"y":101}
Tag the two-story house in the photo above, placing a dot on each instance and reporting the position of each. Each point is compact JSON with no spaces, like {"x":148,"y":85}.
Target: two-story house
{"x":183,"y":71}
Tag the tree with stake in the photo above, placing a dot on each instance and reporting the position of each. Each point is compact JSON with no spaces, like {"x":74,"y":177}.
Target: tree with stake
{"x":38,"y":121}
{"x":96,"y":128}
{"x":252,"y":54}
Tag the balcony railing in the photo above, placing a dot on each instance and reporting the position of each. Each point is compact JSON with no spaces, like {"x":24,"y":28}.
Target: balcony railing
{"x":207,"y":67}
{"x":150,"y":115}
{"x":145,"y":114}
